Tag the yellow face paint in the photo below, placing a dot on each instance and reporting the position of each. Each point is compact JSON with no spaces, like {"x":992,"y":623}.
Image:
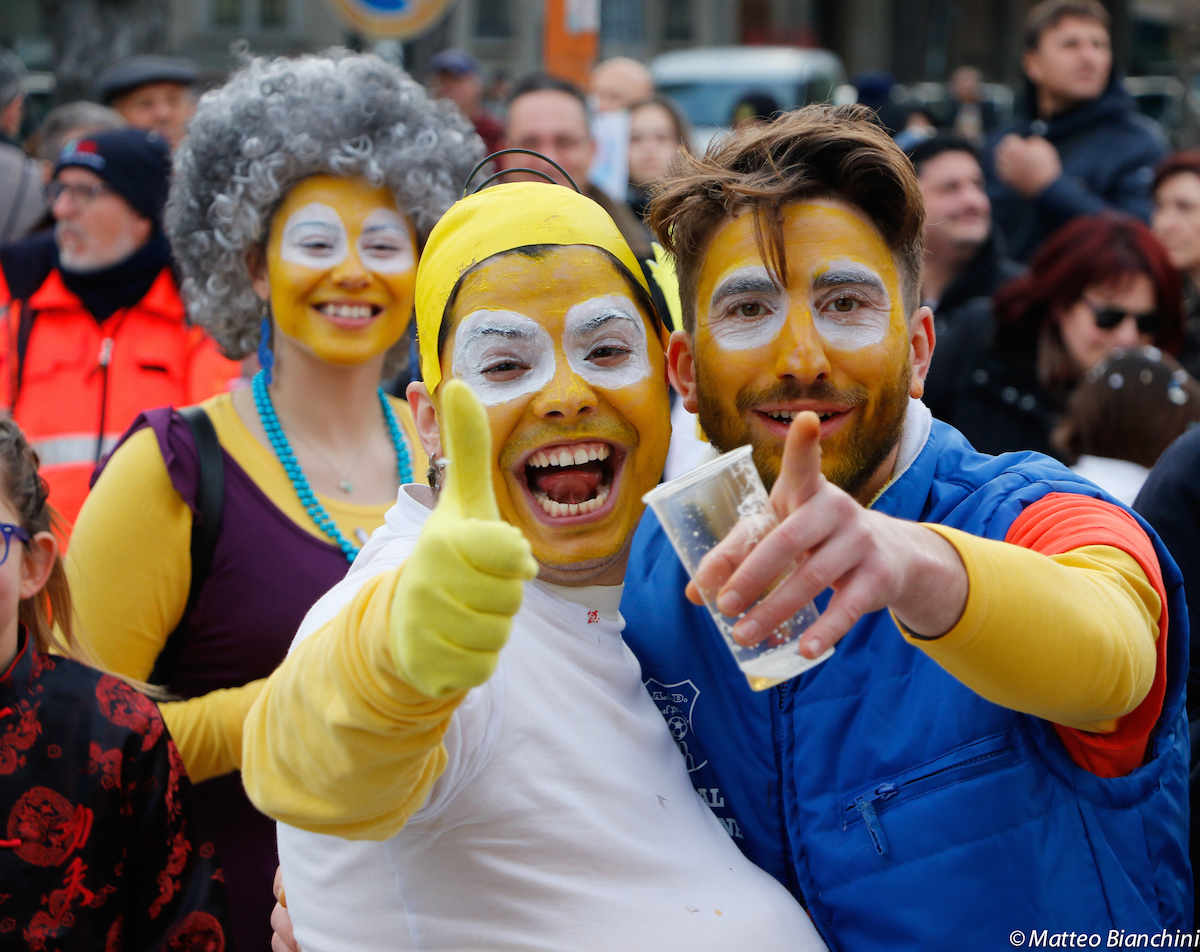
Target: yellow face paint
{"x":342,"y":264}
{"x":495,"y":220}
{"x":572,"y":375}
{"x":833,"y":339}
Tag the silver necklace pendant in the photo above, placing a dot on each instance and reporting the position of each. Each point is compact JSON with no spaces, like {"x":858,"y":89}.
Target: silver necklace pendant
{"x":345,"y":485}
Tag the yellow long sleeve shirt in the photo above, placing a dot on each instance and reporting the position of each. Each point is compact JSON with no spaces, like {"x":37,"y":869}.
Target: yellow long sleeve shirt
{"x":128,"y":605}
{"x":337,"y":743}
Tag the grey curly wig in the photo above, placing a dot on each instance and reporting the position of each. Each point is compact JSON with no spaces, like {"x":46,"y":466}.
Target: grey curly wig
{"x":278,"y":121}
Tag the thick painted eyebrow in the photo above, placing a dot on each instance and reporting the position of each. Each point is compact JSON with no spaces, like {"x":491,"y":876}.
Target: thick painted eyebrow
{"x":367,"y":231}
{"x":743,"y":284}
{"x":836,"y":277}
{"x":599,"y":320}
{"x":508,"y":333}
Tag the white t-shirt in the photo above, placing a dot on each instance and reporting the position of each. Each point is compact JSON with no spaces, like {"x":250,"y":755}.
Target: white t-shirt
{"x":687,"y":450}
{"x":565,"y":818}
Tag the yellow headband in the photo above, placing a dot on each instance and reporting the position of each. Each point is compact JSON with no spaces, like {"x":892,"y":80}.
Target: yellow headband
{"x":499,"y":219}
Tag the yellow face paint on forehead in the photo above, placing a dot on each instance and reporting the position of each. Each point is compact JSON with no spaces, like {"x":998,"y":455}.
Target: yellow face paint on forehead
{"x":571,"y":373}
{"x":499,"y":219}
{"x":833,"y":338}
{"x":342,"y":266}
{"x":836,"y":251}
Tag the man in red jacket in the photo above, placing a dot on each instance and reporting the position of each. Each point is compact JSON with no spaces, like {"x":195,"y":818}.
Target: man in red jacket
{"x":94,"y":328}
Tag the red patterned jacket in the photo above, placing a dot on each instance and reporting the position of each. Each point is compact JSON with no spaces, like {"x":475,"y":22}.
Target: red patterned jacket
{"x":98,"y":848}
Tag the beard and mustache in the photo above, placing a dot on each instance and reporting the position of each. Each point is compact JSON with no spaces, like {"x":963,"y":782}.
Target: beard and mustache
{"x":853,"y":455}
{"x":80,"y":252}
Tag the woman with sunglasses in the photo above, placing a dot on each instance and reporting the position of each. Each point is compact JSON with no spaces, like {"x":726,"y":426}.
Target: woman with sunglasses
{"x":1004,"y":375}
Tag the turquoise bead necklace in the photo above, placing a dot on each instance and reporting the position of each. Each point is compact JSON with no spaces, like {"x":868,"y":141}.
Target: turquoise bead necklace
{"x":283,"y":450}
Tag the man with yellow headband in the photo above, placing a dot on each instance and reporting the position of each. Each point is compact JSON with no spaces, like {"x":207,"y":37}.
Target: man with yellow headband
{"x":442,"y":784}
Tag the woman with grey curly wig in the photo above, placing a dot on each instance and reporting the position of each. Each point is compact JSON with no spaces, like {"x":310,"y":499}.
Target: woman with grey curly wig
{"x":302,"y":196}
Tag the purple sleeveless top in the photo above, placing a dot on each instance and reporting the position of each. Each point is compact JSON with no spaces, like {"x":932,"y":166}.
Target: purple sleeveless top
{"x":266,"y":573}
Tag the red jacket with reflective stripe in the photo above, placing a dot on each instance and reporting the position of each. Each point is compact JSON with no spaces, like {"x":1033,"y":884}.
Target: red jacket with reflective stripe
{"x":82,"y":383}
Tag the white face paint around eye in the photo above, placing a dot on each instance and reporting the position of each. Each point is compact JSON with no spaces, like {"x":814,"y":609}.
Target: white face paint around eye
{"x":385,"y":245}
{"x":605,"y":342}
{"x":314,"y":237}
{"x":502,"y":355}
{"x":865,"y":320}
{"x":750,"y":289}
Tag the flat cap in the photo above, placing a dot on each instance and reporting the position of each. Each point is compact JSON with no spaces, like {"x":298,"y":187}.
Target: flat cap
{"x":457,"y":62}
{"x":141,"y":70}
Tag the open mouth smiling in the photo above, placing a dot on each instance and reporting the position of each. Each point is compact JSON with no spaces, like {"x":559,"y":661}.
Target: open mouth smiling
{"x":349,"y":313}
{"x":787,"y":416}
{"x":777,"y":420}
{"x":571,"y":481}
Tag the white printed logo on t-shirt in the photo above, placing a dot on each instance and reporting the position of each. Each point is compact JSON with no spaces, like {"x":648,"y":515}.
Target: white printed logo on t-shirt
{"x":677,"y":702}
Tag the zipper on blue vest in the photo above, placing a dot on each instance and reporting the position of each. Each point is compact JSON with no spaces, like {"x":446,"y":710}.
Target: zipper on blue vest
{"x":788,"y":860}
{"x":866,"y":808}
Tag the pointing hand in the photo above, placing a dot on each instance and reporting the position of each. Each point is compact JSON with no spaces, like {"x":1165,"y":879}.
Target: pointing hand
{"x":871,"y":561}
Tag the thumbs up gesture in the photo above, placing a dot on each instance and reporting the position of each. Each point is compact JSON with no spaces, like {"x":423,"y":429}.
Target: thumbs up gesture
{"x":453,"y":607}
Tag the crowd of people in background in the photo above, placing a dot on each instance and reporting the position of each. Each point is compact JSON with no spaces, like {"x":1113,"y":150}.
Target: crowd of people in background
{"x":141,"y":270}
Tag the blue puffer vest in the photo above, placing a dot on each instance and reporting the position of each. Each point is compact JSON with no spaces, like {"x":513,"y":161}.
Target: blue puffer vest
{"x":904,"y":810}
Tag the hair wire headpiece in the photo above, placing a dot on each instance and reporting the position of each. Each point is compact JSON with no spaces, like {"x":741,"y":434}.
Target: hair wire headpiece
{"x":491,"y":178}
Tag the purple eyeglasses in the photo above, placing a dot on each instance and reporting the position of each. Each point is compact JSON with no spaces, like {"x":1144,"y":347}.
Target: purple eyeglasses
{"x":9,"y":531}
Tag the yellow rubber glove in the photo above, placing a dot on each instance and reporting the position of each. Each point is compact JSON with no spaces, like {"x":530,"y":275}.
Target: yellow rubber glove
{"x":455,"y":600}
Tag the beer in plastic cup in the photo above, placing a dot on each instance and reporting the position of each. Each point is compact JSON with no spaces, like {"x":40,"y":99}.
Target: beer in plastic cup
{"x":701,"y":508}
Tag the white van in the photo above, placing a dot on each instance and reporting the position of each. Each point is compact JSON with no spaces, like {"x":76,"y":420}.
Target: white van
{"x":709,"y":82}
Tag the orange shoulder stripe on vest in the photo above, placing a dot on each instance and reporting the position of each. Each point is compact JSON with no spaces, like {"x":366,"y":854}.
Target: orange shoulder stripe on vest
{"x":1056,"y":524}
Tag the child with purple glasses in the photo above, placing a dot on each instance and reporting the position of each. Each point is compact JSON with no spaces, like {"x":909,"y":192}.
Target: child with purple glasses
{"x":98,"y":848}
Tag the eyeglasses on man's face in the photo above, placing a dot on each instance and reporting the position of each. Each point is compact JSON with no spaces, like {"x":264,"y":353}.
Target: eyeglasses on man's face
{"x":80,"y":193}
{"x":10,"y":532}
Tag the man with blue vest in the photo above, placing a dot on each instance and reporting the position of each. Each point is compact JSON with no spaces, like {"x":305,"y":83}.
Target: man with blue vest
{"x":996,"y":753}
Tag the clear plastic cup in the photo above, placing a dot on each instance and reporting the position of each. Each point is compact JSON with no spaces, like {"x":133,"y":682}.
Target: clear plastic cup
{"x":699,"y":509}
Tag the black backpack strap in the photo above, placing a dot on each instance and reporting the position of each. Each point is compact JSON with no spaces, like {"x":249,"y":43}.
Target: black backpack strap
{"x":25,"y":317}
{"x":206,"y":529}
